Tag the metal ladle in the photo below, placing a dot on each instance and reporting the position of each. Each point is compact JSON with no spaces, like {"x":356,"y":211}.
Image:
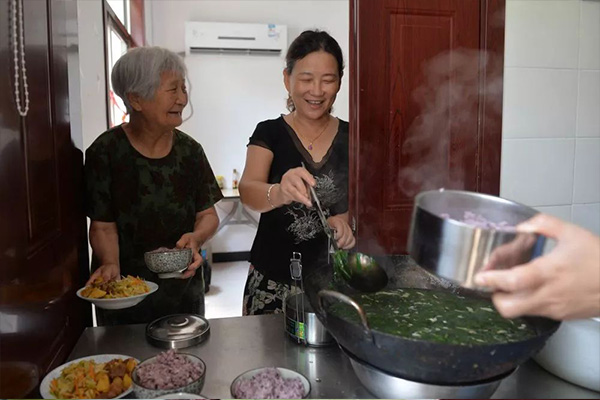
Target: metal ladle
{"x":361,"y":271}
{"x":366,"y":274}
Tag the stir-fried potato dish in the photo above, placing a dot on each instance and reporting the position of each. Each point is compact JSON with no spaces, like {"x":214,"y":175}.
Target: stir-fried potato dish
{"x":91,"y":380}
{"x":125,"y":287}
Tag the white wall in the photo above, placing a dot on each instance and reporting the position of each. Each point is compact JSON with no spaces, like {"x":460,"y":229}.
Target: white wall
{"x":230,"y":94}
{"x":90,"y":113}
{"x":551,"y":118}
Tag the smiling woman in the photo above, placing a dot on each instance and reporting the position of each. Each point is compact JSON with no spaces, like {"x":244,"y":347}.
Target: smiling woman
{"x":274,"y":181}
{"x":149,"y":185}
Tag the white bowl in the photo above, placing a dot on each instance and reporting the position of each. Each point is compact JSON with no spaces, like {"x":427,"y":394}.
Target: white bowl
{"x":182,"y":395}
{"x":573,"y":353}
{"x":55,"y":373}
{"x":121,"y":302}
{"x":284,"y":372}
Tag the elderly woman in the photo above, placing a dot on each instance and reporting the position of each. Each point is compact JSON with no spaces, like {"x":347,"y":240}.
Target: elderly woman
{"x":149,"y":185}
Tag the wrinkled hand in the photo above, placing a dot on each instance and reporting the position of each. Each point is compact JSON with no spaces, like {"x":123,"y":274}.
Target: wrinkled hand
{"x":563,"y":284}
{"x":293,"y":186}
{"x":108,"y":272}
{"x":188,"y":240}
{"x":342,"y":232}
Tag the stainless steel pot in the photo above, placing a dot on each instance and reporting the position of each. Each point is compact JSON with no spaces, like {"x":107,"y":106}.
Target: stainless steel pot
{"x":386,"y":386}
{"x":440,"y":242}
{"x":302,"y":324}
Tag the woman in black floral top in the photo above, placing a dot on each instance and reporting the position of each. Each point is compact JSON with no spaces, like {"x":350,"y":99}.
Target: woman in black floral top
{"x":149,"y":185}
{"x":274,"y":181}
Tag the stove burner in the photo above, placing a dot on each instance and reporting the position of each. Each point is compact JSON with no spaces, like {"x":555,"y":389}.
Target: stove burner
{"x":386,"y":386}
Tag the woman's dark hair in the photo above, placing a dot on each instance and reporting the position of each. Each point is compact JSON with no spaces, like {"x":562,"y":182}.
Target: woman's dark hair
{"x":309,"y":42}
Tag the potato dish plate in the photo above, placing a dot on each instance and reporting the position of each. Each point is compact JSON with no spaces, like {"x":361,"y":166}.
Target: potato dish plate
{"x":121,"y":302}
{"x":98,"y":359}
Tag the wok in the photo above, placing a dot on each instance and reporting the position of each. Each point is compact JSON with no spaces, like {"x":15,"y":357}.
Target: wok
{"x":411,"y":359}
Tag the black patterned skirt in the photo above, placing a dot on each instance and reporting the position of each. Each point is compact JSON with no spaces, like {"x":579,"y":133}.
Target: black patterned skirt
{"x":265,"y":296}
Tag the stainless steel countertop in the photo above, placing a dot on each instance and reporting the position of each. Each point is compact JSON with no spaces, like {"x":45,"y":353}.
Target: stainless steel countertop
{"x":239,"y":344}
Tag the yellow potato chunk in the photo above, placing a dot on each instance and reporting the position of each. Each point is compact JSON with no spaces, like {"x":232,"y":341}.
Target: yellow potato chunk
{"x":127,"y":381}
{"x":130,"y":364}
{"x":103,"y":382}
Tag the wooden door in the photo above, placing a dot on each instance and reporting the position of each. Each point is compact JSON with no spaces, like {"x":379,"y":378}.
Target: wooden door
{"x":43,"y":250}
{"x":426,"y":101}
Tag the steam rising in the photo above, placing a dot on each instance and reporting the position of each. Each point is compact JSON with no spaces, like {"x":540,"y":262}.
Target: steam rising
{"x":448,"y":100}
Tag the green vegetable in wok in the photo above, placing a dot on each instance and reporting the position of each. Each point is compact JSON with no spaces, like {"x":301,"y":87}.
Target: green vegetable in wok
{"x":436,"y":316}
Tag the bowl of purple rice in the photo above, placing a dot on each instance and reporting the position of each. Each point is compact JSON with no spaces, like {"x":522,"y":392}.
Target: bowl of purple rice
{"x":270,"y":383}
{"x":168,"y":372}
{"x":455,"y":234}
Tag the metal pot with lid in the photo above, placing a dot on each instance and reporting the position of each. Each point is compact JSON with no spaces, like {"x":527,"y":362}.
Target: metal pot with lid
{"x":178,"y":331}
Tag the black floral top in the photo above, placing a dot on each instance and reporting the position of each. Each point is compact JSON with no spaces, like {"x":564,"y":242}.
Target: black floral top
{"x":294,"y":227}
{"x":152,"y":201}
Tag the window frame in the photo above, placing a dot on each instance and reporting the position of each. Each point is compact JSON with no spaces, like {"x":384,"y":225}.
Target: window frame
{"x":132,"y":39}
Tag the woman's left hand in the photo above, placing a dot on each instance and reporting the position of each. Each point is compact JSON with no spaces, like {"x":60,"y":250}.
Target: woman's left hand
{"x":188,"y":240}
{"x":343,"y":233}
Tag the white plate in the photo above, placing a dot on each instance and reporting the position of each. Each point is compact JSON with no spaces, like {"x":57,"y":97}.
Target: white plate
{"x":169,"y":275}
{"x":122,"y":302}
{"x":55,"y":373}
{"x":284,"y":372}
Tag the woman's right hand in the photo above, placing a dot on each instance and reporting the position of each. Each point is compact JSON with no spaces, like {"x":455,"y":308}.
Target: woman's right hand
{"x":563,"y":284}
{"x":293,"y":186}
{"x":108,"y":272}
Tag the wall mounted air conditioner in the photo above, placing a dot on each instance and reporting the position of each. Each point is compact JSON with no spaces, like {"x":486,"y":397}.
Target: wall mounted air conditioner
{"x":237,"y":38}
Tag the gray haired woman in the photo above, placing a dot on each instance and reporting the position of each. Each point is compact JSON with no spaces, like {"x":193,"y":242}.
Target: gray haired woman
{"x":149,"y":185}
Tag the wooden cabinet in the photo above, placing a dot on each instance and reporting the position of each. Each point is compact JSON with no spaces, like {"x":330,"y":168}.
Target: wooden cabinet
{"x":425,"y":106}
{"x":43,"y":249}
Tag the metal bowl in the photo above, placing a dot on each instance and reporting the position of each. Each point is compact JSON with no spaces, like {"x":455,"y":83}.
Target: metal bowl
{"x":441,"y":242}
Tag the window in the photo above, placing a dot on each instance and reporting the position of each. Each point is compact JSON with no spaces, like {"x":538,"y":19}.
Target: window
{"x":121,"y":11}
{"x":124,"y":27}
{"x":116,"y":108}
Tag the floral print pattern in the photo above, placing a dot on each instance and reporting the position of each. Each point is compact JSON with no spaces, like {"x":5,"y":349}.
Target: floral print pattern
{"x":265,"y":296}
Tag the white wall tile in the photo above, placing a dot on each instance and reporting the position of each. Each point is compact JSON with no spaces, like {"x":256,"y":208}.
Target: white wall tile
{"x":588,"y":108}
{"x":539,"y":103}
{"x":589,"y":50}
{"x":542,"y":33}
{"x":562,"y":212}
{"x":586,"y":186}
{"x":587,"y":216}
{"x":537,"y":172}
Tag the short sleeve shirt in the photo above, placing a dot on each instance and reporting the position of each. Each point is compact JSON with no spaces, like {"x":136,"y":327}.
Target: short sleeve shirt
{"x":152,"y":201}
{"x":295,"y":227}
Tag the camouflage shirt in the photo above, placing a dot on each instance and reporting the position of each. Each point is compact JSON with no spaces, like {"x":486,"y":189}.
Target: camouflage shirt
{"x":152,"y":201}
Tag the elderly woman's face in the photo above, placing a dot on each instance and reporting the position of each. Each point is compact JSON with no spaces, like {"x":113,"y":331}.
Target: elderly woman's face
{"x":313,"y":84}
{"x":169,"y":100}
